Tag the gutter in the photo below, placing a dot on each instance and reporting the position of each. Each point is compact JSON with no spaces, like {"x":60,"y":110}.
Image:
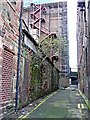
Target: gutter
{"x":87,"y":101}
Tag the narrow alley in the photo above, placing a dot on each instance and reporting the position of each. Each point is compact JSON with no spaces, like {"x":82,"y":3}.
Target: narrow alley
{"x":38,"y":79}
{"x":63,"y":104}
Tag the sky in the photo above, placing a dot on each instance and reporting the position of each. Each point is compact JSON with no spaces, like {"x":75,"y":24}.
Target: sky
{"x":72,"y":17}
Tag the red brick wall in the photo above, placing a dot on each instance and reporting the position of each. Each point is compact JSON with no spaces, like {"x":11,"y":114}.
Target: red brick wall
{"x":7,"y":75}
{"x":9,"y":26}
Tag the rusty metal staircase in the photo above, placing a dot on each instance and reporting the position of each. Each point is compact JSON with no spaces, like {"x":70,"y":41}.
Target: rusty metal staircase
{"x":37,"y":19}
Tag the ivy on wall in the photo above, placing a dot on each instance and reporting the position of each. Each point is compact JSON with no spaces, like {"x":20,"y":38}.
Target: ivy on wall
{"x":43,"y":78}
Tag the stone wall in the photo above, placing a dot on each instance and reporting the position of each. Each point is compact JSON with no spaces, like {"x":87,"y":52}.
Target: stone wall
{"x":64,"y":82}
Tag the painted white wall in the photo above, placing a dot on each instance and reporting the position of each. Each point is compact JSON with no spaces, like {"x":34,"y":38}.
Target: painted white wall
{"x":30,"y":44}
{"x":34,"y":34}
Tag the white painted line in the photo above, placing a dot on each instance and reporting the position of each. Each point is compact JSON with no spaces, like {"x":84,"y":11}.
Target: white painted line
{"x":82,"y":105}
{"x":78,"y":105}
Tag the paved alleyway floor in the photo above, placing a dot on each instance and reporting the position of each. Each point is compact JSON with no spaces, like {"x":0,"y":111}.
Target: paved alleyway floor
{"x":62,"y":104}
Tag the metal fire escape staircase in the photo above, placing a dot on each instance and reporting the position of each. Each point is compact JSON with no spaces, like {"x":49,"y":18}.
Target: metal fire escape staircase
{"x":35,"y":15}
{"x":37,"y":18}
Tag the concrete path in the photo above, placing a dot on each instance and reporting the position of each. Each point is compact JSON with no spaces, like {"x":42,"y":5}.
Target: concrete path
{"x":64,"y":104}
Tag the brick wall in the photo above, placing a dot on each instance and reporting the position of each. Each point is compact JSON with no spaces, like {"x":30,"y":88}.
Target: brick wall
{"x":88,"y":59}
{"x":83,"y":49}
{"x":0,"y":74}
{"x":9,"y":25}
{"x":7,"y":75}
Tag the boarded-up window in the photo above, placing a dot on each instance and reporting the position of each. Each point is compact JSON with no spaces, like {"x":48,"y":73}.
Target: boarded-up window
{"x":26,"y":81}
{"x":7,"y":75}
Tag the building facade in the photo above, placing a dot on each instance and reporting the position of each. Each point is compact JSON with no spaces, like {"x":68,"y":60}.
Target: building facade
{"x":83,"y":46}
{"x":9,"y":24}
{"x":33,"y":66}
{"x":49,"y":23}
{"x":88,"y":49}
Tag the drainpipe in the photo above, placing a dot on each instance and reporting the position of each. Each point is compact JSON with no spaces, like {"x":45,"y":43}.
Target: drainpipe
{"x":18,"y":60}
